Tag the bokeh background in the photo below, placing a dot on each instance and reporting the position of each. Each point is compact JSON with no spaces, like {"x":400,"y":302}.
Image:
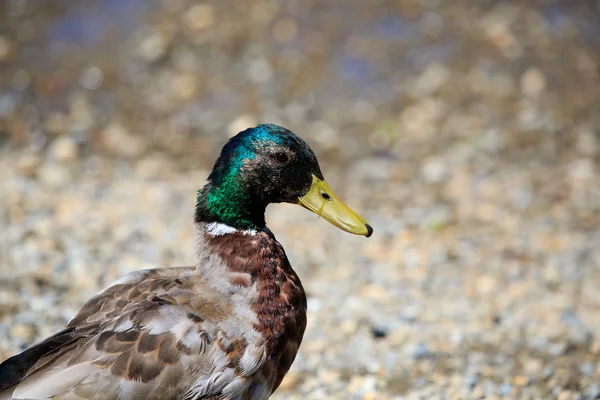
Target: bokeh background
{"x":466,"y":132}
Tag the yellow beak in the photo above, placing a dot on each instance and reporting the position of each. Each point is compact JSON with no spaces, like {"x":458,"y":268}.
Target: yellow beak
{"x":321,"y":200}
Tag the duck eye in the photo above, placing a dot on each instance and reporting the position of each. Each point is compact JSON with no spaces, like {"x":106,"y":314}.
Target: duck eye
{"x":281,"y":157}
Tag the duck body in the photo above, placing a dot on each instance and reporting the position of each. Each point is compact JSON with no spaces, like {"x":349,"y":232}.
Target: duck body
{"x":228,"y":327}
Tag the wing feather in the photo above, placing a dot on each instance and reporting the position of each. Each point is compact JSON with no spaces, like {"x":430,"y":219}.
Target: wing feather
{"x":154,"y":334}
{"x":54,"y":381}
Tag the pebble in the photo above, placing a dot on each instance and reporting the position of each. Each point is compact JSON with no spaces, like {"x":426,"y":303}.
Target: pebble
{"x":587,"y":143}
{"x":119,"y":141}
{"x":57,"y":123}
{"x":91,"y":78}
{"x":153,"y":47}
{"x":431,"y":80}
{"x":533,"y":82}
{"x":435,"y":170}
{"x":185,"y":86}
{"x":285,"y":30}
{"x":5,"y":48}
{"x":20,"y":80}
{"x":81,"y":113}
{"x":240,"y":123}
{"x":54,"y":175}
{"x":379,"y":332}
{"x":521,"y":380}
{"x":9,"y":302}
{"x":420,"y":351}
{"x":23,"y":332}
{"x":64,"y":149}
{"x":28,"y":163}
{"x":290,"y":381}
{"x":199,"y":17}
{"x":260,"y":71}
{"x":582,"y":170}
{"x":505,"y":390}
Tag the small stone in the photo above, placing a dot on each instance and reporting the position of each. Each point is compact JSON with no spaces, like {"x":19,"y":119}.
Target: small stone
{"x":472,"y":380}
{"x":487,"y":284}
{"x":9,"y":302}
{"x":372,"y":169}
{"x":240,"y":123}
{"x":521,"y":380}
{"x":54,"y":175}
{"x":259,"y":70}
{"x":505,"y":389}
{"x":118,"y":140}
{"x":593,"y":392}
{"x":153,"y":46}
{"x":313,"y":304}
{"x":566,"y":395}
{"x":81,"y":112}
{"x":420,"y":351}
{"x":153,"y":166}
{"x":557,"y":349}
{"x":587,"y":143}
{"x":533,"y":82}
{"x":533,"y":366}
{"x":399,"y":337}
{"x":290,"y":381}
{"x":28,"y":163}
{"x":261,"y":12}
{"x":432,"y":79}
{"x":348,"y":327}
{"x":587,"y":368}
{"x":64,"y":149}
{"x":185,"y":86}
{"x":20,"y":80}
{"x":379,"y":332}
{"x":184,"y":59}
{"x":355,"y":384}
{"x":57,"y":123}
{"x":91,"y":78}
{"x":431,"y":23}
{"x":498,"y":32}
{"x":328,"y":376}
{"x":478,"y":392}
{"x":23,"y":332}
{"x":325,"y":135}
{"x":434,"y":170}
{"x":582,"y":170}
{"x":5,"y":48}
{"x":199,"y":17}
{"x":370,"y":396}
{"x":285,"y":30}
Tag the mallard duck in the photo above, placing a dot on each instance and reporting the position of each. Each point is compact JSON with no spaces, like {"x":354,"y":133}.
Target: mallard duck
{"x":228,"y":327}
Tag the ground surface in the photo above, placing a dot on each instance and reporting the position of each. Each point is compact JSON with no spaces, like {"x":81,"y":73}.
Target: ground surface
{"x":467,"y":133}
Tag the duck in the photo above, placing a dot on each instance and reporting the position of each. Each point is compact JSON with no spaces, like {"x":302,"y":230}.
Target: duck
{"x":228,"y":327}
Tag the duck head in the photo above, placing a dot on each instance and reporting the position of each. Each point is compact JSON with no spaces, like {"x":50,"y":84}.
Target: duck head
{"x":270,"y":164}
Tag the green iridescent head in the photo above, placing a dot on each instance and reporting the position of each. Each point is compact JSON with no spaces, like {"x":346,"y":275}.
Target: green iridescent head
{"x":262,"y":165}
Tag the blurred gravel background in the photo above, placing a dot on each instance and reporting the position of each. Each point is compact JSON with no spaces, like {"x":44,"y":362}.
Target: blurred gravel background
{"x":466,"y":132}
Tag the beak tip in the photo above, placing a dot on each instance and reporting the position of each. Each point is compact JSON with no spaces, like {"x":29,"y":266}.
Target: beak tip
{"x":369,"y":230}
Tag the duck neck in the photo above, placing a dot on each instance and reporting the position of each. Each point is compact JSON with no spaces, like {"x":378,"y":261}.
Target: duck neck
{"x":231,"y":204}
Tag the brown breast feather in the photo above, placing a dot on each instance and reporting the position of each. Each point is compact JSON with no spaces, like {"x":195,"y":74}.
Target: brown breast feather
{"x":281,"y":303}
